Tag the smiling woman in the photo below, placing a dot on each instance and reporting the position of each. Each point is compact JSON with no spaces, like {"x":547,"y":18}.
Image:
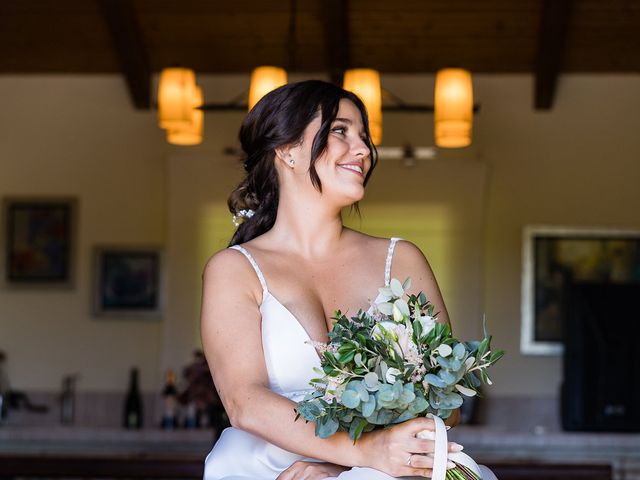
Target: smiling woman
{"x":277,"y":127}
{"x":270,"y":296}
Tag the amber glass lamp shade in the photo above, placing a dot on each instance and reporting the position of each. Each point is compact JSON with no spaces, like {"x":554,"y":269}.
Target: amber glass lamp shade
{"x":176,"y":92}
{"x":191,"y":133}
{"x":453,"y":108}
{"x":263,"y":80}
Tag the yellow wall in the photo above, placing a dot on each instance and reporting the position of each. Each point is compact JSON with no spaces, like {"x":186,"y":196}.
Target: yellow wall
{"x":576,"y":165}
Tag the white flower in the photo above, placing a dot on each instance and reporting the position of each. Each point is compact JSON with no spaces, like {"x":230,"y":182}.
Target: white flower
{"x":334,"y":388}
{"x":401,"y":334}
{"x":391,"y":375}
{"x":427,"y":322}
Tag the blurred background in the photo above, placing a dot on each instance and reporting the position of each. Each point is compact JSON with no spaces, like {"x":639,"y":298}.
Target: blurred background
{"x":521,"y":188}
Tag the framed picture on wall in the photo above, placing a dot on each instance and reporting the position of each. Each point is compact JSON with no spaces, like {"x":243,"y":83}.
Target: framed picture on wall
{"x":128,"y":282}
{"x":552,"y":258}
{"x":39,"y":241}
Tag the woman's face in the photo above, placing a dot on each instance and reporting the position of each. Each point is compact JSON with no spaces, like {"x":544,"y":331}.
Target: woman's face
{"x":346,"y":161}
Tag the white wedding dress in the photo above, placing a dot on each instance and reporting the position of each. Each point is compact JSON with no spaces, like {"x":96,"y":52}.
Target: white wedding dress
{"x":290,"y":359}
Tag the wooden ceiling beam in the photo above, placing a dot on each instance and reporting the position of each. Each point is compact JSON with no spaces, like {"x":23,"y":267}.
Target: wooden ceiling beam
{"x":123,"y":26}
{"x":336,"y":38}
{"x":552,"y":39}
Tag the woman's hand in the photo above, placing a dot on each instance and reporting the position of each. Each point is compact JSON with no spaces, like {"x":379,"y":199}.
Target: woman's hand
{"x":397,"y":452}
{"x":302,"y":470}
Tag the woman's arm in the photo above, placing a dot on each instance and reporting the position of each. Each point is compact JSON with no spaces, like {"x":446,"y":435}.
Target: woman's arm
{"x":409,"y":261}
{"x":233,"y":347}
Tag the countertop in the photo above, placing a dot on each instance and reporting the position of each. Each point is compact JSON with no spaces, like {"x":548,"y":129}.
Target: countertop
{"x":482,"y":442}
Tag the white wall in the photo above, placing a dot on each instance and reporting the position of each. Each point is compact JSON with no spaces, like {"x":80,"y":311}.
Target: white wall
{"x":78,"y":136}
{"x":575,"y":165}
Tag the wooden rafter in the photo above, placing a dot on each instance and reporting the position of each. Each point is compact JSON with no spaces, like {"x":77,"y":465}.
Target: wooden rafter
{"x":552,"y":39}
{"x":127,"y":40}
{"x":336,"y":34}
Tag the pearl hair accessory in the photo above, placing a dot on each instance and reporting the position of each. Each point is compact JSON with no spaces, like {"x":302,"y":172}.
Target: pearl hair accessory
{"x":242,"y":214}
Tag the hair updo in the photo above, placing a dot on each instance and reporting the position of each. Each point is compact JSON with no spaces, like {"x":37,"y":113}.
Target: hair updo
{"x":278,"y":119}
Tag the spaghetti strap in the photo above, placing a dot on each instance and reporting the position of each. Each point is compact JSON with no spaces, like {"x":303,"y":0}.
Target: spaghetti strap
{"x":254,"y":265}
{"x":387,"y":268}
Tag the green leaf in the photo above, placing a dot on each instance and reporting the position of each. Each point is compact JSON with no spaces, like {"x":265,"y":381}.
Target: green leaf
{"x":495,"y":356}
{"x":406,"y":285}
{"x":347,"y":357}
{"x":308,"y":410}
{"x":350,"y":399}
{"x":459,"y":351}
{"x":327,"y":427}
{"x":419,"y":405}
{"x":356,"y":429}
{"x":482,"y":348}
{"x":435,"y":381}
{"x":371,"y":381}
{"x":330,"y":358}
{"x":404,"y":416}
{"x":417,"y":330}
{"x":369,"y":406}
{"x":361,"y":390}
{"x":358,"y":359}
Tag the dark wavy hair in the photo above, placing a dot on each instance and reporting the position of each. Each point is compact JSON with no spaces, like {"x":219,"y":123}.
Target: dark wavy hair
{"x":279,"y":119}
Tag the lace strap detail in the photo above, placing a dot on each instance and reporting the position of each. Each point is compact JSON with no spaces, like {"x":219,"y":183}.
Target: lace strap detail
{"x":387,"y":268}
{"x":253,"y":264}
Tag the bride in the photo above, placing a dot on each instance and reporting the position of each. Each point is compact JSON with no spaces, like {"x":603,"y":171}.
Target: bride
{"x":271,"y":295}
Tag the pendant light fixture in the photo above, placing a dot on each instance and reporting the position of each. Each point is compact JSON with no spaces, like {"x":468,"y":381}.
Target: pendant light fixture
{"x":176,"y":93}
{"x":191,"y":133}
{"x":365,"y":83}
{"x":263,"y":80}
{"x":453,"y":108}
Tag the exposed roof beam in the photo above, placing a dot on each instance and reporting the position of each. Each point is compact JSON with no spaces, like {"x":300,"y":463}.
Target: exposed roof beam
{"x":132,"y":54}
{"x":336,"y":38}
{"x":552,"y":36}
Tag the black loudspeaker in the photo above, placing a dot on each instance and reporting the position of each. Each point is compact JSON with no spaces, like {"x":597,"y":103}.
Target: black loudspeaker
{"x":601,"y":385}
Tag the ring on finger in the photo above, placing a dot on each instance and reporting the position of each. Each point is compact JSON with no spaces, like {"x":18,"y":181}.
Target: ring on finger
{"x":409,"y":460}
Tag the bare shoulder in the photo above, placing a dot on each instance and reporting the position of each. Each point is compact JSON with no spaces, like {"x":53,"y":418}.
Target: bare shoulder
{"x":409,"y":253}
{"x":231,"y":270}
{"x":410,"y":261}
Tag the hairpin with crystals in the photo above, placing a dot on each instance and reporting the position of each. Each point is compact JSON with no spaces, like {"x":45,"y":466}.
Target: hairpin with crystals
{"x":242,"y":214}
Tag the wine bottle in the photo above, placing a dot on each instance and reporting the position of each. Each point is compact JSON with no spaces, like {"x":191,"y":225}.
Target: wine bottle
{"x":169,"y":402}
{"x":133,"y":403}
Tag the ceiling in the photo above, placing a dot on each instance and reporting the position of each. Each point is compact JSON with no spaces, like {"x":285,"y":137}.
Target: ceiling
{"x":544,"y":37}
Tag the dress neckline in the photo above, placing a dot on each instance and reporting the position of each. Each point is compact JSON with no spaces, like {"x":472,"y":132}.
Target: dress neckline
{"x":267,"y":293}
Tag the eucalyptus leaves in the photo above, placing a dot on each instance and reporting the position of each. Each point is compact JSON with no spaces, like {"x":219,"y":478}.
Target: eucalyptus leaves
{"x":393,"y":365}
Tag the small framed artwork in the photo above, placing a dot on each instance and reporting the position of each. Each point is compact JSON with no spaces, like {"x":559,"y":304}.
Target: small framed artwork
{"x":39,"y":241}
{"x":552,"y":258}
{"x":128,"y":282}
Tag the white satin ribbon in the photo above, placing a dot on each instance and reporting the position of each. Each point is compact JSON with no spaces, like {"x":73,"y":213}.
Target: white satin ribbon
{"x":441,"y":454}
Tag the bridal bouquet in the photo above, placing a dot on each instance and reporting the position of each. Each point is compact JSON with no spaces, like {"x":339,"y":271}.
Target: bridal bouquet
{"x":394,"y":364}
